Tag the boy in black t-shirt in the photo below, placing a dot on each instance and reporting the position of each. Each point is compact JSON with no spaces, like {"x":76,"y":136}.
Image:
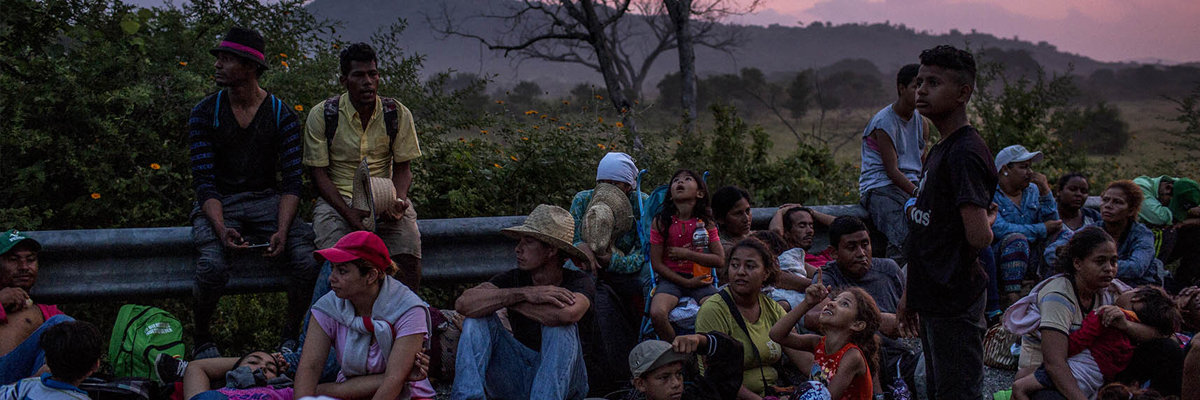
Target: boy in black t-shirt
{"x":950,"y":221}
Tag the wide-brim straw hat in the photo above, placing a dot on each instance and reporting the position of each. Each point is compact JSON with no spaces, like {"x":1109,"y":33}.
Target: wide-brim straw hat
{"x":550,"y":224}
{"x":368,"y":193}
{"x":609,"y":215}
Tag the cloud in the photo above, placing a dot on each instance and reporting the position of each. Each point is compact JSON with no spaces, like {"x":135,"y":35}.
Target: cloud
{"x":1107,"y":30}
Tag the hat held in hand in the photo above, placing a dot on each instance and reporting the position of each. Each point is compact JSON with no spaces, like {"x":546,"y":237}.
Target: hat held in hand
{"x":609,"y":215}
{"x":374,"y":194}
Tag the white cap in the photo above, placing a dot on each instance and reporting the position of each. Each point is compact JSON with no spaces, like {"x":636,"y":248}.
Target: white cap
{"x":1016,"y":153}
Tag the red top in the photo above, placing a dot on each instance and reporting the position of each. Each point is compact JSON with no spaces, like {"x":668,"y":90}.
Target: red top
{"x":1110,"y":347}
{"x":825,"y":367}
{"x":679,"y":234}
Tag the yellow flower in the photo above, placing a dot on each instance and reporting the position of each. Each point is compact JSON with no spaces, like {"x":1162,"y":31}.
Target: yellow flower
{"x":299,"y":107}
{"x":283,"y":55}
{"x":513,"y":158}
{"x":531,"y":112}
{"x":483,"y":132}
{"x":566,"y":103}
{"x":601,"y":146}
{"x":600,"y":119}
{"x":599,"y":97}
{"x":95,"y":196}
{"x":619,"y":124}
{"x":497,"y":165}
{"x":284,"y":63}
{"x":155,"y":166}
{"x":183,"y":63}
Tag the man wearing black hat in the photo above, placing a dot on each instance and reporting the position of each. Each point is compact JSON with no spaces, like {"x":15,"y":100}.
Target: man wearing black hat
{"x":241,"y":138}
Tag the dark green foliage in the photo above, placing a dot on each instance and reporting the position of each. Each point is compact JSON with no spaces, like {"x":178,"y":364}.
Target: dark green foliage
{"x":1097,"y":128}
{"x":800,"y":93}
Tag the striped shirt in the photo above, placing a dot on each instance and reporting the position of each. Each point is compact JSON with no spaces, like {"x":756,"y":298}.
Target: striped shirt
{"x":228,"y":159}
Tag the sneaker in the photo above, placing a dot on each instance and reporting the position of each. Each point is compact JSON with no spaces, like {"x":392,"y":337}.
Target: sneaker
{"x":170,"y":368}
{"x":289,"y":346}
{"x":205,"y":350}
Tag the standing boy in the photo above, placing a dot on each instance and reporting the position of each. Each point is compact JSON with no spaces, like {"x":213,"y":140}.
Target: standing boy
{"x":949,"y":223}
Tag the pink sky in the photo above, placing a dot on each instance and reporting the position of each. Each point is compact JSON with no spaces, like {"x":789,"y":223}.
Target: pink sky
{"x":1106,"y":30}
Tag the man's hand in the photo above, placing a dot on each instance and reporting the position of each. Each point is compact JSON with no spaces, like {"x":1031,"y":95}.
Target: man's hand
{"x":277,"y":244}
{"x":231,"y":238}
{"x":356,"y":217}
{"x":687,"y":344}
{"x":552,"y":295}
{"x":14,"y":299}
{"x":1052,"y":227}
{"x":908,"y":322}
{"x":420,"y":369}
{"x":397,"y":211}
{"x":991,"y":213}
{"x":1043,"y":184}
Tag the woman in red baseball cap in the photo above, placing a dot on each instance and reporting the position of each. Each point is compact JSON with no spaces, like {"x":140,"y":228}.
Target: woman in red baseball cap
{"x":376,"y":324}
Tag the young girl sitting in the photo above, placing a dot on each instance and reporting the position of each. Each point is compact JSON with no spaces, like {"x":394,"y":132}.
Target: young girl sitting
{"x":672,"y":254}
{"x":845,"y":356}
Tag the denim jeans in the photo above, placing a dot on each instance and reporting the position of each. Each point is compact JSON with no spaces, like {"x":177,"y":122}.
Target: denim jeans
{"x":885,"y":205}
{"x":28,"y":357}
{"x":331,"y":369}
{"x":493,"y":364}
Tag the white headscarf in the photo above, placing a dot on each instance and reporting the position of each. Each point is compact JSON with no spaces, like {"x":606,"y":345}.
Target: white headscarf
{"x":617,"y":167}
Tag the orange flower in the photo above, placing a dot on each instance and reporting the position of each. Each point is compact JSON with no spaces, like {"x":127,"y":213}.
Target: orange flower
{"x":283,"y":55}
{"x":95,"y":196}
{"x":499,"y":101}
{"x":544,"y":117}
{"x":299,"y":107}
{"x":553,"y":119}
{"x":461,"y":139}
{"x":562,"y":128}
{"x":335,"y":45}
{"x":600,"y":119}
{"x":497,"y":165}
{"x":483,"y":132}
{"x":679,"y":143}
{"x":524,"y":137}
{"x":531,"y":112}
{"x":513,"y":158}
{"x":619,"y":124}
{"x":284,"y":63}
{"x":601,"y":146}
{"x":566,"y":103}
{"x":535,"y":127}
{"x":155,"y":166}
{"x":599,"y":97}
{"x":183,"y":63}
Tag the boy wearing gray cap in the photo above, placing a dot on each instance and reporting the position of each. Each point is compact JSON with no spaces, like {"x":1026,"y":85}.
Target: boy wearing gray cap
{"x":658,"y":367}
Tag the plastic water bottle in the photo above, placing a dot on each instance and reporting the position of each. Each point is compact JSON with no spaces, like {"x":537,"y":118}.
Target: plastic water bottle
{"x":700,"y":237}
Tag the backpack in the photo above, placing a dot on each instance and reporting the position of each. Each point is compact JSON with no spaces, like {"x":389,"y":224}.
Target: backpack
{"x":139,"y":335}
{"x":391,"y":118}
{"x":276,"y":105}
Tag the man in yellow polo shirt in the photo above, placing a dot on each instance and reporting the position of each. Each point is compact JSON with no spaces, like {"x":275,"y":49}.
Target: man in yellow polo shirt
{"x":372,"y":127}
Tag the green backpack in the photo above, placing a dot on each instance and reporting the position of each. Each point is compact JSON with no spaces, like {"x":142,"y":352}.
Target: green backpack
{"x":140,"y":334}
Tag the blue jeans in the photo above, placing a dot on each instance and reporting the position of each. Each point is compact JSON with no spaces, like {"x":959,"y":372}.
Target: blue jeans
{"x":885,"y":205}
{"x":28,"y":357}
{"x":210,"y":395}
{"x":331,"y":369}
{"x":493,"y":364}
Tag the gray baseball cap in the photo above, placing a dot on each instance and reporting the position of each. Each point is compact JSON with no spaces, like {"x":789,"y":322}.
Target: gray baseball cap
{"x":1016,"y":153}
{"x":652,"y":354}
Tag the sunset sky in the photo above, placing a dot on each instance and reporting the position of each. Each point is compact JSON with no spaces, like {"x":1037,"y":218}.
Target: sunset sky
{"x":1106,"y":30}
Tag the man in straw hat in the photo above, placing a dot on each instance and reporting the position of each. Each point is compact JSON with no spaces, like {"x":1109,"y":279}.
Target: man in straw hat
{"x":241,"y":139}
{"x":346,"y":129}
{"x":549,"y":308}
{"x":605,"y":230}
{"x":22,"y":322}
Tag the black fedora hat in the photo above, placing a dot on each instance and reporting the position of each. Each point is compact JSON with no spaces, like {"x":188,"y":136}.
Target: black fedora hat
{"x":245,"y":43}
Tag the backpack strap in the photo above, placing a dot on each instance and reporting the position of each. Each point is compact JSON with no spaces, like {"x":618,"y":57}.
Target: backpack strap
{"x":391,"y":118}
{"x":278,"y":106}
{"x":737,"y":316}
{"x":331,"y":118}
{"x":217,"y":111}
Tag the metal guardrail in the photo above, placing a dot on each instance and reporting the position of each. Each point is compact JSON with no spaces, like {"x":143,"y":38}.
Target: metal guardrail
{"x":97,"y":264}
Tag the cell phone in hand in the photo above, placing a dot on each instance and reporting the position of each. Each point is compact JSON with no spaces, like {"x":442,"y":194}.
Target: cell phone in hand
{"x":257,"y":245}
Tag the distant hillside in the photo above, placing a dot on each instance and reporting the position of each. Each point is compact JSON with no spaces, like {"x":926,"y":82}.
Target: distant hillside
{"x":774,"y":49}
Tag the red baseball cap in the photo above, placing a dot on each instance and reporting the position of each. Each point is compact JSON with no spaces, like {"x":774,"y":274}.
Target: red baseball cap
{"x":356,"y":245}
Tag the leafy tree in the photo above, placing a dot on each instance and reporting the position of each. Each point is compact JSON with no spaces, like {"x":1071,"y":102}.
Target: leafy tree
{"x":800,"y":93}
{"x":525,"y":93}
{"x":1097,"y":128}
